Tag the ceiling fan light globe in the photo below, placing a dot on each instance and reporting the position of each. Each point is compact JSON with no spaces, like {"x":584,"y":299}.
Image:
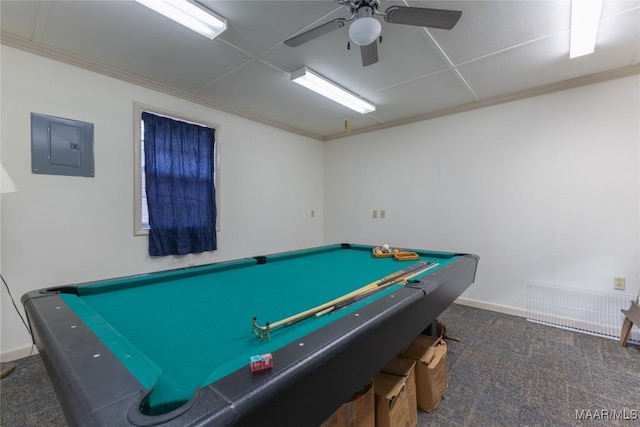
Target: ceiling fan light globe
{"x":364,"y":31}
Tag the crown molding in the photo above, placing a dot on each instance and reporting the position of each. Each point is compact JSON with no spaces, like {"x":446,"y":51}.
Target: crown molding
{"x":55,"y":54}
{"x":500,"y":99}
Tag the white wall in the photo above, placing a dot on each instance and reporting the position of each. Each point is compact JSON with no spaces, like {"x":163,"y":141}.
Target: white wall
{"x":58,"y":230}
{"x":543,"y":189}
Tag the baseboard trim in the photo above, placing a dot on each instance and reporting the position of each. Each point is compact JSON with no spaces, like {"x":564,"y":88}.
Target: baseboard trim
{"x":18,"y":353}
{"x":520,"y":312}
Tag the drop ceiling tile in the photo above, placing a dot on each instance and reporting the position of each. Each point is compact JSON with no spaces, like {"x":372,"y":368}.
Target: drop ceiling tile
{"x":255,"y":26}
{"x":520,"y":68}
{"x":490,"y":26}
{"x":19,"y":17}
{"x":432,"y":93}
{"x":261,"y":89}
{"x":133,"y":38}
{"x":619,"y":36}
{"x":543,"y":62}
{"x":611,"y":8}
{"x":330,"y":120}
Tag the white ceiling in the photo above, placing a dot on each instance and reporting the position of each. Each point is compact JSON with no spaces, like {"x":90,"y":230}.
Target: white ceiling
{"x":498,"y":50}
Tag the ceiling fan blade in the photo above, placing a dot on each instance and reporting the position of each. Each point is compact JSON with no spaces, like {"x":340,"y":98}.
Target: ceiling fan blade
{"x":423,"y":17}
{"x":369,"y":53}
{"x":316,"y":32}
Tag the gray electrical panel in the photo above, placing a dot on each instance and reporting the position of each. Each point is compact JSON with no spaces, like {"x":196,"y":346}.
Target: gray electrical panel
{"x":61,"y":146}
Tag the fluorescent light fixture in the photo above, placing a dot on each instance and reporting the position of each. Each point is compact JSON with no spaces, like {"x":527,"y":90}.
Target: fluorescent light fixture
{"x":585,"y":19}
{"x":314,"y":81}
{"x":189,"y":14}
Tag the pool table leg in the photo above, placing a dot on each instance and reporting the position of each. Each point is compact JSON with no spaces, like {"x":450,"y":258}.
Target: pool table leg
{"x":432,"y":329}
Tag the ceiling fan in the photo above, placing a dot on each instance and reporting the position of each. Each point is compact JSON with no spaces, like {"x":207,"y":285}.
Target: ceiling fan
{"x":365,"y":29}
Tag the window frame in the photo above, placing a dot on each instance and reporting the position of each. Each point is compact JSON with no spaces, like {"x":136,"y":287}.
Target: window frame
{"x":138,"y":109}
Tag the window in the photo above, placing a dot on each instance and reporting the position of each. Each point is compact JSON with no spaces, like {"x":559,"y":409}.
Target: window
{"x":141,"y":213}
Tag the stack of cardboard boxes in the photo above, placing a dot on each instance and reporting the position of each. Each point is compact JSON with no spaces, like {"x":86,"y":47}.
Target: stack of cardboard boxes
{"x":416,"y":378}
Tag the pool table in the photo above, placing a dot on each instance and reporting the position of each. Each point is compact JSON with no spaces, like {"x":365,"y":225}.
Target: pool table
{"x":172,"y":348}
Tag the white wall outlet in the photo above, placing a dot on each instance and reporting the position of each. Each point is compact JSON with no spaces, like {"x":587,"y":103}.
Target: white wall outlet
{"x":619,"y":283}
{"x":383,"y":214}
{"x":375,"y":214}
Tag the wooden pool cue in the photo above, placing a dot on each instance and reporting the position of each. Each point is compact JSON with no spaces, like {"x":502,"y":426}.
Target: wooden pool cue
{"x":397,"y":277}
{"x":364,"y":295}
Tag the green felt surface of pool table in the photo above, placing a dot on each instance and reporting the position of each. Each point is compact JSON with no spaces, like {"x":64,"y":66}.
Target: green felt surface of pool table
{"x":180,"y":330}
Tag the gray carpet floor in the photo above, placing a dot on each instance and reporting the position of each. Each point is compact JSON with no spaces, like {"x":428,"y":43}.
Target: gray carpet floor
{"x":505,"y":371}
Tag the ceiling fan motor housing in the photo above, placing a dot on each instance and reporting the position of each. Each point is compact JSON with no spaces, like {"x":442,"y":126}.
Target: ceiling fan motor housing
{"x":356,"y":5}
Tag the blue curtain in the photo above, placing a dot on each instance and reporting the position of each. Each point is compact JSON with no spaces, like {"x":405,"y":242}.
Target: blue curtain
{"x":179,"y":168}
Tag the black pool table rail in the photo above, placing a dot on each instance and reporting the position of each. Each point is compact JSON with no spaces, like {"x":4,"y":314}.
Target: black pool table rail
{"x":311,"y":377}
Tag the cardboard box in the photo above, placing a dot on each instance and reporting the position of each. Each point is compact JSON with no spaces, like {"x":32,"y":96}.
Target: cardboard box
{"x":392,"y":407}
{"x":336,"y":419}
{"x":405,"y":367}
{"x":360,"y":411}
{"x":430,"y":355}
